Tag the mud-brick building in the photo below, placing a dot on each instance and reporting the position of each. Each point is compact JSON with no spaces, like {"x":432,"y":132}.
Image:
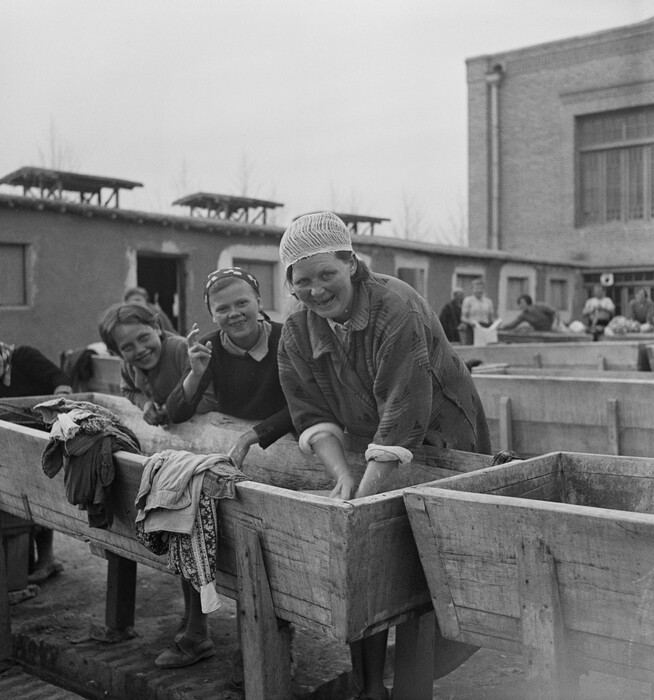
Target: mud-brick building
{"x":561,"y":154}
{"x":67,"y":251}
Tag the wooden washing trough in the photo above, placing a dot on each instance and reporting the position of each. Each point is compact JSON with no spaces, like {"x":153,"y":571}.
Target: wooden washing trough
{"x":572,"y":358}
{"x":535,"y":415}
{"x":522,"y":337}
{"x":552,"y":557}
{"x":346,"y":569}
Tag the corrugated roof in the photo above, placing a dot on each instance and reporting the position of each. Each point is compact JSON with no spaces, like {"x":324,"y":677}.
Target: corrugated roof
{"x":73,"y":182}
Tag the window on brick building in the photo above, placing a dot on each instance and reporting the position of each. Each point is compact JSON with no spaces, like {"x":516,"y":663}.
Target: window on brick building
{"x":465,"y":280}
{"x":615,"y":166}
{"x":515,"y":287}
{"x":558,"y":294}
{"x":413,"y":276}
{"x":13,"y":282}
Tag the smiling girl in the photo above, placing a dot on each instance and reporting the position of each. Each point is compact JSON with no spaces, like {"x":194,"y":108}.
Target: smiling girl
{"x":239,"y":360}
{"x":153,"y":359}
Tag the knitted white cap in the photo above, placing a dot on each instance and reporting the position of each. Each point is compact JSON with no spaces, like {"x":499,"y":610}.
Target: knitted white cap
{"x":311,"y":234}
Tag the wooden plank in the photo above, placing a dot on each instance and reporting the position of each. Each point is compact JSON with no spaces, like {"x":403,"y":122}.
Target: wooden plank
{"x":613,"y":426}
{"x":265,"y":640}
{"x":121,"y":593}
{"x":281,"y":464}
{"x":569,"y":414}
{"x":618,"y":355}
{"x":616,"y":657}
{"x":546,"y":654}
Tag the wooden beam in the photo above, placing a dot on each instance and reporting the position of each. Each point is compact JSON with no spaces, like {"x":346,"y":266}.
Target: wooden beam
{"x":546,"y":657}
{"x":613,"y":426}
{"x":121,"y":593}
{"x":265,"y":640}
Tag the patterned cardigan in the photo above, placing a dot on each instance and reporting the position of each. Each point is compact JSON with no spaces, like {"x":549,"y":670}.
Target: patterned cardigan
{"x":396,"y":380}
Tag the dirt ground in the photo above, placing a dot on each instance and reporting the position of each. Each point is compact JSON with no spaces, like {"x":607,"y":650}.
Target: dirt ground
{"x":68,"y":606}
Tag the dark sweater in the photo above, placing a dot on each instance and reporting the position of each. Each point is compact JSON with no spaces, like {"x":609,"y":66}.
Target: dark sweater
{"x":243,"y":388}
{"x":32,"y":374}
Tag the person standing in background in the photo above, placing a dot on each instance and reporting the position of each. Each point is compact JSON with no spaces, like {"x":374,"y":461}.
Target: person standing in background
{"x":450,"y":316}
{"x":477,"y":309}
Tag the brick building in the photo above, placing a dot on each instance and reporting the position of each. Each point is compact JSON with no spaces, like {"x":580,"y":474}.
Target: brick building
{"x":561,"y":155}
{"x":65,"y":256}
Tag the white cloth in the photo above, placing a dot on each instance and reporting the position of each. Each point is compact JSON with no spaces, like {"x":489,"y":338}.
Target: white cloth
{"x":388,"y":453}
{"x":311,"y":435}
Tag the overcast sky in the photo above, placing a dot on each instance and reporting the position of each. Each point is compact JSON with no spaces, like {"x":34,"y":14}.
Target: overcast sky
{"x":352,"y":105}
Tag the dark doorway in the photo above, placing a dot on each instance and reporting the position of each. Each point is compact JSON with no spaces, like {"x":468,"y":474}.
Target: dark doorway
{"x":162,"y":276}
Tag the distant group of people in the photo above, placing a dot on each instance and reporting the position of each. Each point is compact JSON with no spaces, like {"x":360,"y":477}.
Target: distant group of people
{"x":462,"y":313}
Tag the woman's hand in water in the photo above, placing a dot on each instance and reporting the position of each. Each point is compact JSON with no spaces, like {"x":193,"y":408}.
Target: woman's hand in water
{"x":199,"y":355}
{"x":345,"y":486}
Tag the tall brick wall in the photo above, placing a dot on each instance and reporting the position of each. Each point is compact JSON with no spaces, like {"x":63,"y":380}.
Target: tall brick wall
{"x":542,"y":91}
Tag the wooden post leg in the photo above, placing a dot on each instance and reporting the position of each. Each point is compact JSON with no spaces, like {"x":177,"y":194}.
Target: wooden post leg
{"x":264,"y":638}
{"x":6,"y":646}
{"x":613,"y":426}
{"x":548,"y":670}
{"x":415,"y":642}
{"x":121,"y":592}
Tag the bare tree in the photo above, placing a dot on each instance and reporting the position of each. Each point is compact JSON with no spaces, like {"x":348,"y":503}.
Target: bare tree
{"x":411,"y":225}
{"x":243,"y":183}
{"x":455,"y":229}
{"x":348,"y":204}
{"x":56,"y":154}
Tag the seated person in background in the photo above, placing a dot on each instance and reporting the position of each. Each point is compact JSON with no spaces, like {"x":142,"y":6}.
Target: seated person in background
{"x":139,"y":295}
{"x":532,"y":317}
{"x":641,"y":308}
{"x":450,"y":316}
{"x":476,"y":309}
{"x":598,"y":311}
{"x":25,"y":371}
{"x":153,"y":359}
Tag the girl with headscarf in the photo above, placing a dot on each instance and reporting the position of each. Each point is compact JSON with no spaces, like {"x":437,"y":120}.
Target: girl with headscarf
{"x":367,"y":355}
{"x":239,"y":362}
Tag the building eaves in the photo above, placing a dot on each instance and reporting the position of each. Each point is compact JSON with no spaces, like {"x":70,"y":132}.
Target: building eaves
{"x":182,"y":223}
{"x":458,"y":251}
{"x":642,"y":30}
{"x":213,"y":226}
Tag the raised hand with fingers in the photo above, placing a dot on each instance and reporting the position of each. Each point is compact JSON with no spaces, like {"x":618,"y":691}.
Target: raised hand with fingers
{"x":199,"y":355}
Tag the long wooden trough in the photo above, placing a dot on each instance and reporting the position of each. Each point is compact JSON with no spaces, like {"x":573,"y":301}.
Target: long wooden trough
{"x":552,"y":558}
{"x":624,"y":356}
{"x":536,"y":415}
{"x":345,"y":569}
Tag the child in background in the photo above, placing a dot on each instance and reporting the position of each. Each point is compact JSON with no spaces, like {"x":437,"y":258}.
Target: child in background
{"x":154,"y":360}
